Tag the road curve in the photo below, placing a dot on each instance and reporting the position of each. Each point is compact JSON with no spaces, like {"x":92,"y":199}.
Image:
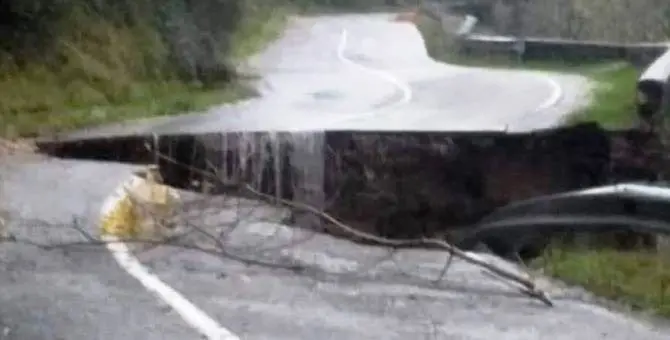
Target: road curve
{"x":76,"y":294}
{"x":368,"y":72}
{"x":379,"y":78}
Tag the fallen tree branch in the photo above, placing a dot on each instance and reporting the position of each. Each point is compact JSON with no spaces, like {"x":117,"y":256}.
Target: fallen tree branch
{"x":528,"y":287}
{"x":214,"y":251}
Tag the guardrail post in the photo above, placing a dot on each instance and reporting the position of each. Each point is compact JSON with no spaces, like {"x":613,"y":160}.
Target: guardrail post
{"x":519,"y":29}
{"x":663,"y":241}
{"x":664,"y":133}
{"x":465,"y":29}
{"x":519,"y":49}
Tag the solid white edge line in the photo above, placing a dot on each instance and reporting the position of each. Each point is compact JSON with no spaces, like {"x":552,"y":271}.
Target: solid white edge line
{"x":384,"y":75}
{"x":556,"y":93}
{"x":555,"y":96}
{"x":553,"y":99}
{"x":191,"y":314}
{"x":388,"y":76}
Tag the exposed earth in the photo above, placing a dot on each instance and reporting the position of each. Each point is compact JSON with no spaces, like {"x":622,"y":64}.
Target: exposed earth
{"x":380,"y":77}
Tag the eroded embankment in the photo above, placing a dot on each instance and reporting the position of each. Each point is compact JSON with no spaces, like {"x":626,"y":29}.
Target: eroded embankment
{"x":396,"y":184}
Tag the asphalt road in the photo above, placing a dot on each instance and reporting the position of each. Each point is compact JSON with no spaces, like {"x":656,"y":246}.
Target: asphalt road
{"x":342,"y":291}
{"x":82,"y":294}
{"x":380,"y":77}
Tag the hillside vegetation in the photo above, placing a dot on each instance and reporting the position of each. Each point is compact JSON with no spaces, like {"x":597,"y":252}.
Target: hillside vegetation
{"x":70,"y":63}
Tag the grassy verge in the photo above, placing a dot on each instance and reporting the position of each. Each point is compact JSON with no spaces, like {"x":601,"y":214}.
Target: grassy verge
{"x":612,"y":101}
{"x":257,"y":31}
{"x":104,"y":77}
{"x":443,"y":47}
{"x":613,"y":98}
{"x":637,"y":279}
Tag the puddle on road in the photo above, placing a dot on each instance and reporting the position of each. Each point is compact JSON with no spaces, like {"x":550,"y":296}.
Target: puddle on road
{"x":327,"y":95}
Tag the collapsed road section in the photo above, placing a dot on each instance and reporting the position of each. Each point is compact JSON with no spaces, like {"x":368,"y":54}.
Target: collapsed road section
{"x":394,"y":184}
{"x":404,"y":184}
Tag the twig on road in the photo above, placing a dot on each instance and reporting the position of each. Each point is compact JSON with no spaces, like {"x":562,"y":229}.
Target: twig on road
{"x":221,"y":247}
{"x":529,"y":287}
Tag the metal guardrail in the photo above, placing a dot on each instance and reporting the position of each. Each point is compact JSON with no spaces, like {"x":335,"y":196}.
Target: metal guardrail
{"x":534,"y":48}
{"x":400,"y":183}
{"x":527,"y":226}
{"x":524,"y":228}
{"x":468,"y":25}
{"x":653,"y":86}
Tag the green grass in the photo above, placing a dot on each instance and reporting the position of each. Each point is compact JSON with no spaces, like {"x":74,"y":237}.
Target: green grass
{"x":637,"y":279}
{"x":612,"y":98}
{"x":257,"y":31}
{"x":157,"y":99}
{"x":107,"y":75}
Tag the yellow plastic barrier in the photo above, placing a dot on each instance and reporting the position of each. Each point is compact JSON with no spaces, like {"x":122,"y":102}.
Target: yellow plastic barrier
{"x":140,"y":208}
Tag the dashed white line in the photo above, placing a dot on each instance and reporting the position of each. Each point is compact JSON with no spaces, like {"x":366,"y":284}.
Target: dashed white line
{"x":190,"y":313}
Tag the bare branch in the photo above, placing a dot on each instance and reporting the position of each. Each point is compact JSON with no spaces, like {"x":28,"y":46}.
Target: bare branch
{"x":530,"y":288}
{"x":217,"y":241}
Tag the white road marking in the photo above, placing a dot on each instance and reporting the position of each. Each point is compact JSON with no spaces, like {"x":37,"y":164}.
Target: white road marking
{"x":195,"y":317}
{"x":556,"y":93}
{"x":190,"y":313}
{"x":549,"y":102}
{"x":385,"y":75}
{"x":388,"y":76}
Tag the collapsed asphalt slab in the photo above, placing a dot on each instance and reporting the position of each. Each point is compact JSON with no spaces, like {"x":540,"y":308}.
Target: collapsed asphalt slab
{"x":315,"y":285}
{"x":389,"y":300}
